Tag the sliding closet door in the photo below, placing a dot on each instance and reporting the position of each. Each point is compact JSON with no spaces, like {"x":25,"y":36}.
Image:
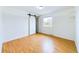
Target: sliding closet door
{"x":32,"y":25}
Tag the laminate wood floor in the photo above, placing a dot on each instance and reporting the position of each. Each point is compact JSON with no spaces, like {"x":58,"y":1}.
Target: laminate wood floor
{"x":39,"y":43}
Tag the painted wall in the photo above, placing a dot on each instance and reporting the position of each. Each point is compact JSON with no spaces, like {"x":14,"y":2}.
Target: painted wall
{"x":15,"y":23}
{"x":77,"y":28}
{"x":63,"y":23}
{"x":1,"y":29}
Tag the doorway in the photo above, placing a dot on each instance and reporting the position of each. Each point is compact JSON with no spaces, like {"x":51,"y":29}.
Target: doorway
{"x":31,"y":24}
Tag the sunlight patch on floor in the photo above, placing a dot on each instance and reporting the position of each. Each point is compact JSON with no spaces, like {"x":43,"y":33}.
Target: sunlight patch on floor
{"x":47,"y":46}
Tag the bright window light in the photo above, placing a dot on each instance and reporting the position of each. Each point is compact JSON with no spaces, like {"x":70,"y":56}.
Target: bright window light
{"x":47,"y":21}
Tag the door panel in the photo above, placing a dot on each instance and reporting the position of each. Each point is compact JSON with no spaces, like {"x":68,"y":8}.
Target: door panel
{"x":32,"y":25}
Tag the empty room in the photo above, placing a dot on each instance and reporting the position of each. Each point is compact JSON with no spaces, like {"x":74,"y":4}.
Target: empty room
{"x":38,"y":29}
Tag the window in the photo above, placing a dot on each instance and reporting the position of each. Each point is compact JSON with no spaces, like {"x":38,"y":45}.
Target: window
{"x":47,"y":22}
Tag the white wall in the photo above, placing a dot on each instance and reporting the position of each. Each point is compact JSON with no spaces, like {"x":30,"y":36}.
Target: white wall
{"x":77,"y":28}
{"x":15,"y":23}
{"x":1,"y":29}
{"x":63,"y":23}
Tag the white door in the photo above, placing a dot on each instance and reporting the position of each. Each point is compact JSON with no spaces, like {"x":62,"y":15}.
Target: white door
{"x":32,"y":25}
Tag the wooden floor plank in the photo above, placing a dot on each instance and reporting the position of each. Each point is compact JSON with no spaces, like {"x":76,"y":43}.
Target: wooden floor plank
{"x":32,"y":44}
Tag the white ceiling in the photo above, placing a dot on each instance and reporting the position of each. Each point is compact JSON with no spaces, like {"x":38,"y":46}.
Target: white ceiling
{"x":33,"y":9}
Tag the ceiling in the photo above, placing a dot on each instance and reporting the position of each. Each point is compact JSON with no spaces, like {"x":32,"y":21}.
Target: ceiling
{"x":34,"y":10}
